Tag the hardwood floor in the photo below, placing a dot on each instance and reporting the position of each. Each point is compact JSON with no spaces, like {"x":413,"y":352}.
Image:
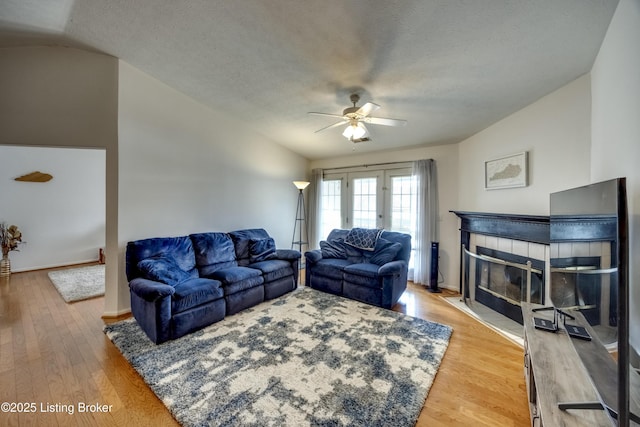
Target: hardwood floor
{"x":55,"y":355}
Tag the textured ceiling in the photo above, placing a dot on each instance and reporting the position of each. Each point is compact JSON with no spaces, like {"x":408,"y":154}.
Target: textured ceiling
{"x":449,"y":67}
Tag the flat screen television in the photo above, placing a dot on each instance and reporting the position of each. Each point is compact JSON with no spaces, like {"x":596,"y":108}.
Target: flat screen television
{"x":589,"y":272}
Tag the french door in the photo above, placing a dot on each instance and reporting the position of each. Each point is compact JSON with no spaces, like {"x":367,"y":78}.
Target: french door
{"x":371,"y":199}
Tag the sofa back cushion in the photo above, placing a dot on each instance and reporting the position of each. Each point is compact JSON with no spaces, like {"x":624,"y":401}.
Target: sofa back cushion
{"x":385,"y":251}
{"x":355,"y":255}
{"x":178,"y":248}
{"x":262,"y":249}
{"x":333,"y":249}
{"x":163,"y":268}
{"x":337,"y":237}
{"x":213,"y":251}
{"x":242,"y":242}
{"x":402,"y":238}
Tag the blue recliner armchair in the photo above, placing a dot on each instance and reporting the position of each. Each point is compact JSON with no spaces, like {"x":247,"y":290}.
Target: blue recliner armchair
{"x":169,"y":299}
{"x":374,"y":272}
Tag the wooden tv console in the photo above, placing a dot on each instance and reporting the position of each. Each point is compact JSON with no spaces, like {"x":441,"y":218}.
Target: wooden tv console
{"x":555,"y":373}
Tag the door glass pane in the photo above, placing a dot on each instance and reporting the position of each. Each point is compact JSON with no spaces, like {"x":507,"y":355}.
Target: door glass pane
{"x":330,"y":217}
{"x":402,"y":204}
{"x":403,"y":208}
{"x":364,"y":203}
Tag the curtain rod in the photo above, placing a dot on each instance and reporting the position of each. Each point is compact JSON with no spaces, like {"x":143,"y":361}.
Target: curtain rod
{"x":370,"y":164}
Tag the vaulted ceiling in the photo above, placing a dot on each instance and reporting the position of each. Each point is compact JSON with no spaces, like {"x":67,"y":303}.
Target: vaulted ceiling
{"x":449,"y":67}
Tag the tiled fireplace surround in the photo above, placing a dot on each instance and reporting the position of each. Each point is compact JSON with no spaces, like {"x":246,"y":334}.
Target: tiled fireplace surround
{"x":526,"y":237}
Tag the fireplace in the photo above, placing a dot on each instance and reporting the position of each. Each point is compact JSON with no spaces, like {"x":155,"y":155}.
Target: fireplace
{"x":501,"y":251}
{"x":504,"y":260}
{"x":503,"y":280}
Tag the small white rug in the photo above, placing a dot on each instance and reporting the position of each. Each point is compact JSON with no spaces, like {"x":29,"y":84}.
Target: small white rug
{"x":76,"y":284}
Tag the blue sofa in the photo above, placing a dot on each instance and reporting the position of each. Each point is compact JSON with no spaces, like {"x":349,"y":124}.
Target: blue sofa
{"x":182,"y":284}
{"x":372,"y":270}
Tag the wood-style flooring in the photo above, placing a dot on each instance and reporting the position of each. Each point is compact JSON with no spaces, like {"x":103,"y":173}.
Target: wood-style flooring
{"x":54,"y":358}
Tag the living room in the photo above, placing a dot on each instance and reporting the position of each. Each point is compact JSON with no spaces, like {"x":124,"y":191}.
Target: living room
{"x":175,"y":166}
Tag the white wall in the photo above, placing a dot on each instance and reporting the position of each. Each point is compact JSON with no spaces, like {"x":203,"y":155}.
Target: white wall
{"x":184,"y":168}
{"x":446,"y":158}
{"x":616,"y":128}
{"x":62,"y":220}
{"x":554,"y":130}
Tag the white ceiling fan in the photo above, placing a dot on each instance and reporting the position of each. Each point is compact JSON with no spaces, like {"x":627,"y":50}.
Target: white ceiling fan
{"x":355,"y":117}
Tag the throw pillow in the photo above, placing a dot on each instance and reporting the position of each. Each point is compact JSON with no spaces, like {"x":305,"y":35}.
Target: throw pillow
{"x":163,"y":268}
{"x":333,"y":249}
{"x":262,"y":249}
{"x":385,"y":252}
{"x":363,"y":238}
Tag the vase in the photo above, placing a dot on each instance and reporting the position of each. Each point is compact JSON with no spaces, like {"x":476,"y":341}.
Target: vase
{"x":5,"y":266}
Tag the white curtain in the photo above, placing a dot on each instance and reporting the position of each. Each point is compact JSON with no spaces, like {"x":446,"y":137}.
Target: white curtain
{"x":424,"y":172}
{"x":315,"y":218}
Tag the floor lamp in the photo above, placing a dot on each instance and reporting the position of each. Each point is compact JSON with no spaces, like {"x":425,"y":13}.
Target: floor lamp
{"x":301,"y":221}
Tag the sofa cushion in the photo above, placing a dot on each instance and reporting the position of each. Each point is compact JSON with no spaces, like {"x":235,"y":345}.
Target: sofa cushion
{"x":163,"y":268}
{"x":234,"y":274}
{"x":330,"y":267}
{"x":333,"y":249}
{"x":195,"y":292}
{"x":364,"y":274}
{"x":385,"y":252}
{"x":213,"y":251}
{"x":244,"y":285}
{"x":363,"y":238}
{"x":261,"y":249}
{"x":273,"y":269}
{"x":180,"y":248}
{"x":241,"y":240}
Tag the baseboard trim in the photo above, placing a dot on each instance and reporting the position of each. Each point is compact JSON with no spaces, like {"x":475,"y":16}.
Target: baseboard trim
{"x":46,"y":267}
{"x":116,"y":314}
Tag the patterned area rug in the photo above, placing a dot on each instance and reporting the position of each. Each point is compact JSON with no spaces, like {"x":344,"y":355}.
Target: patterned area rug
{"x":307,"y":358}
{"x":76,"y":284}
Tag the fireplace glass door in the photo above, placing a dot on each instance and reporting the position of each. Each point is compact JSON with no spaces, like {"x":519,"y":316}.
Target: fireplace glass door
{"x":501,"y":281}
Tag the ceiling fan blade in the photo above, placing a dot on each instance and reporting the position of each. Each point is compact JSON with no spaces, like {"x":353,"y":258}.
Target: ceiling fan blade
{"x":332,"y":126}
{"x":366,"y":131}
{"x":340,"y":116}
{"x":384,"y":122}
{"x":367,"y":109}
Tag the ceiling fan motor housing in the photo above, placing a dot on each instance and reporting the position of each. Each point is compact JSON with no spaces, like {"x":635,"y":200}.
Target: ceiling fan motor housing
{"x":350,"y":112}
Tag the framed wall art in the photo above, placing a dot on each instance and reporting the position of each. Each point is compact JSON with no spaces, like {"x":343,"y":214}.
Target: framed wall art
{"x":506,"y":172}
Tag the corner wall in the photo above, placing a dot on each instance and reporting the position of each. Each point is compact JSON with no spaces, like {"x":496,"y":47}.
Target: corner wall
{"x":616,"y":129}
{"x":185,"y":168}
{"x":555,"y":131}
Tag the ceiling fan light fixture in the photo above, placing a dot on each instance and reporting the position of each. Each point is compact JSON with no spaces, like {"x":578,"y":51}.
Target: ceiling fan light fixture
{"x":354,"y":131}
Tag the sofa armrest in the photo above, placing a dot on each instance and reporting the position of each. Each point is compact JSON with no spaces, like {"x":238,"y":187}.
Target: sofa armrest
{"x":313,"y":256}
{"x":150,"y":290}
{"x":287,"y":254}
{"x":393,"y":267}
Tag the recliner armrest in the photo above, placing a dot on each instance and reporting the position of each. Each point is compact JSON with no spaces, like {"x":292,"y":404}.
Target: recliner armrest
{"x":287,"y":254}
{"x":313,"y":256}
{"x":150,"y":290}
{"x":392,"y":267}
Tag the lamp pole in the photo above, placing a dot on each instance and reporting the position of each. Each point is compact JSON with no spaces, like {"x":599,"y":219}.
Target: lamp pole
{"x":300,"y":221}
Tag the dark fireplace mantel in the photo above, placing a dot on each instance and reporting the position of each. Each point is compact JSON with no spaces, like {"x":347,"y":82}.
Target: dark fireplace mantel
{"x":529,"y":228}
